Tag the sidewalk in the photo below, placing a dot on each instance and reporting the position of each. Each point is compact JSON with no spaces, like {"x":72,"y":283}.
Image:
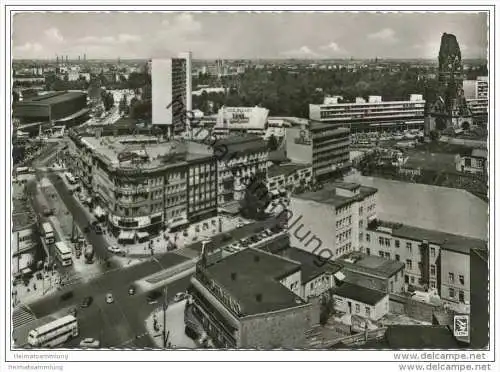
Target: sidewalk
{"x":177,"y":338}
{"x":36,"y":289}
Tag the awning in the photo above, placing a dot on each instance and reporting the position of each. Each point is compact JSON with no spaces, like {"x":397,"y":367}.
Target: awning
{"x":339,"y":275}
{"x":178,"y":223}
{"x":126,"y":235}
{"x":142,"y":235}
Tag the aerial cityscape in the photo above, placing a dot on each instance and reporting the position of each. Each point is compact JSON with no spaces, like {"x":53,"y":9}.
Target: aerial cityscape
{"x":177,"y":192}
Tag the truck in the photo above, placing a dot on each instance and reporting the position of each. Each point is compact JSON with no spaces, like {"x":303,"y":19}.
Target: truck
{"x":88,"y":253}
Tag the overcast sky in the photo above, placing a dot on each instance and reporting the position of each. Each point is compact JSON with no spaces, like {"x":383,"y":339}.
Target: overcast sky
{"x":245,"y":35}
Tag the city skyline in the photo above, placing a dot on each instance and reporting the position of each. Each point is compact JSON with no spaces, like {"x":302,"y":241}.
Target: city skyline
{"x":295,"y":35}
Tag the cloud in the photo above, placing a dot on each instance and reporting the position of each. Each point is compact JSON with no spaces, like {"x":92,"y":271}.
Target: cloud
{"x":54,"y":35}
{"x":109,"y":40}
{"x":333,"y":48}
{"x":28,"y":48}
{"x":302,"y":52}
{"x":387,"y":35}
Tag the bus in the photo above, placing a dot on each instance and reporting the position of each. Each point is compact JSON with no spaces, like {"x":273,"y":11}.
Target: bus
{"x":54,"y":333}
{"x":48,"y":233}
{"x":64,"y":254}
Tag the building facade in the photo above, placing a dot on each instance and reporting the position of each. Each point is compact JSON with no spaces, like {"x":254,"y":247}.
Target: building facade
{"x":331,"y":219}
{"x":250,"y":300}
{"x":356,"y":300}
{"x":202,"y":188}
{"x":288,"y":177}
{"x":474,"y":161}
{"x":374,"y":115}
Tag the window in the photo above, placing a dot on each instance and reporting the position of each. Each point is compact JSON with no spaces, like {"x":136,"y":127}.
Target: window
{"x":396,"y":243}
{"x":388,"y":242}
{"x":433,"y":270}
{"x":451,"y":277}
{"x":433,"y":252}
{"x":408,"y":246}
{"x":380,"y":240}
{"x":412,"y":279}
{"x":433,"y":284}
{"x":461,"y":296}
{"x":368,"y":251}
{"x":408,"y":264}
{"x":387,"y":255}
{"x":381,"y":253}
{"x":392,"y":286}
{"x":367,"y":311}
{"x":451,"y":293}
{"x":358,"y":308}
{"x":397,"y":257}
{"x":368,"y":238}
{"x":461,"y":279}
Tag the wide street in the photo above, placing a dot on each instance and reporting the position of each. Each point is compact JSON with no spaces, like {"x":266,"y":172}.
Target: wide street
{"x":120,"y":324}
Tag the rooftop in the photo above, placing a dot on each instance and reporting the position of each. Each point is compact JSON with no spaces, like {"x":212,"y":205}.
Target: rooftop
{"x":328,"y":194}
{"x":420,"y":337}
{"x":284,"y":169}
{"x":241,"y":144}
{"x":358,"y":293}
{"x":252,"y":276}
{"x":311,"y":265}
{"x":370,"y":264}
{"x":456,"y":243}
{"x":53,"y":98}
{"x":152,"y":152}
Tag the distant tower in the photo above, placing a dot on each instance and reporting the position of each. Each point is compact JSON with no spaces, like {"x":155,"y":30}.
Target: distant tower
{"x":78,"y":58}
{"x":189,"y":90}
{"x":84,"y":57}
{"x":118,"y":60}
{"x":57,"y":60}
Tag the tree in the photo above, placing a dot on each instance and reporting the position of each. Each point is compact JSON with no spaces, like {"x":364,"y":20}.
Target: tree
{"x":434,"y":135}
{"x":272,"y":143}
{"x":107,"y":100}
{"x":256,"y":198}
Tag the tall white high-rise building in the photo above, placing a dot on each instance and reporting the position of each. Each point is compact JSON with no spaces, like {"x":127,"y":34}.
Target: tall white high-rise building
{"x":171,"y":92}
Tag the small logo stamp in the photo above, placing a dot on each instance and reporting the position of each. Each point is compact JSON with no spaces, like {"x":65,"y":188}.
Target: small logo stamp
{"x":461,"y":326}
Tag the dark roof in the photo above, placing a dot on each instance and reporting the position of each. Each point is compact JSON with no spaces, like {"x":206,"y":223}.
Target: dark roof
{"x":311,"y":265}
{"x":361,"y":294}
{"x":420,"y":337}
{"x":451,"y":242}
{"x":328,"y":194}
{"x":53,"y":98}
{"x":257,"y":273}
{"x":286,"y":169}
{"x":370,"y":264}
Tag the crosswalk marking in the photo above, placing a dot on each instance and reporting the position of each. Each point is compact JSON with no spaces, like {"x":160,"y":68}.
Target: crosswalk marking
{"x":22,"y":316}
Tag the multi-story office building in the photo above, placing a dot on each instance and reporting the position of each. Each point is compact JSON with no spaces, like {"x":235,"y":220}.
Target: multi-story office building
{"x":332,"y":218}
{"x":476,"y":94}
{"x":325,"y":146}
{"x":432,"y":259}
{"x":251,"y":299}
{"x":241,"y":120}
{"x":171,"y":92}
{"x":144,"y":184}
{"x":238,"y":158}
{"x":374,"y":115}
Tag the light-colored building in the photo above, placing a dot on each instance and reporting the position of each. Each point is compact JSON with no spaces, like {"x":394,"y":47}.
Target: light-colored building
{"x":241,"y":120}
{"x":171,"y":92}
{"x":251,"y":299}
{"x":288,"y":177}
{"x":422,"y":252}
{"x":144,"y":184}
{"x":364,"y":302}
{"x":374,"y":115}
{"x":473,"y":161}
{"x":329,"y":222}
{"x":474,"y":89}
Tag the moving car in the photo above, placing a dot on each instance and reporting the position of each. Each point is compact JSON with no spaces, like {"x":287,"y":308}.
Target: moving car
{"x":180,"y":297}
{"x":131,"y":290}
{"x":115,"y":250}
{"x":87,"y":301}
{"x":90,"y":343}
{"x":109,"y":298}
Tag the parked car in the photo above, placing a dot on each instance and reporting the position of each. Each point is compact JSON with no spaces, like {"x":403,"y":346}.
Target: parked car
{"x":131,"y":290}
{"x":91,"y":343}
{"x":87,"y":301}
{"x":240,"y":224}
{"x":109,"y":298}
{"x":153,"y":297}
{"x":115,"y":250}
{"x":180,"y":297}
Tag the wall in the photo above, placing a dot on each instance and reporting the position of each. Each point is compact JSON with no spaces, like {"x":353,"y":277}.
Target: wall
{"x":320,"y":284}
{"x":161,"y":79}
{"x":293,"y":282}
{"x":284,"y":328}
{"x":458,"y":264}
{"x":298,"y":153}
{"x":376,"y":311}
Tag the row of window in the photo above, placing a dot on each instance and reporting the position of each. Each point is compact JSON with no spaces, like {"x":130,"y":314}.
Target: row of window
{"x":346,"y":235}
{"x":452,"y":294}
{"x":344,"y":249}
{"x":386,"y":242}
{"x":451,"y":278}
{"x":343,"y":222}
{"x":357,"y":308}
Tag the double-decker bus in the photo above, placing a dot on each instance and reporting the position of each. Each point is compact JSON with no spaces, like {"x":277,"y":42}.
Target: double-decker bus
{"x":48,"y":233}
{"x":64,"y":254}
{"x":54,"y":333}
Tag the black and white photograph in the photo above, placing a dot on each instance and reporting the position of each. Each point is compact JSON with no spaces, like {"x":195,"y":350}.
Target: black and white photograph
{"x":225,"y":180}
